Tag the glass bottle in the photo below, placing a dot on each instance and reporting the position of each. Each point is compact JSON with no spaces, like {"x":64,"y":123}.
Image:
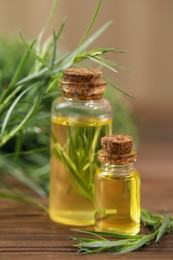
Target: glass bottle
{"x":79,"y":118}
{"x":117,"y":187}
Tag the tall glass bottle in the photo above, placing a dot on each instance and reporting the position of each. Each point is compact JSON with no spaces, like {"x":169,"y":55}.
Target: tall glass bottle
{"x":79,"y":118}
{"x":117,"y":187}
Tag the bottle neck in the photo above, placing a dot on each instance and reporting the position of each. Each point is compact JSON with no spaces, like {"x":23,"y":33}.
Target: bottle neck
{"x":87,"y":103}
{"x":118,"y":168}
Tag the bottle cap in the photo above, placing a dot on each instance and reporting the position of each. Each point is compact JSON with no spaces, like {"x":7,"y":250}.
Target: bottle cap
{"x":117,"y":149}
{"x":117,"y":144}
{"x":81,"y":74}
{"x":83,"y":84}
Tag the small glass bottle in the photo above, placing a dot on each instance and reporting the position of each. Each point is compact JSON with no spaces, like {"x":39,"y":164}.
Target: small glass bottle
{"x":117,"y":187}
{"x":79,"y":119}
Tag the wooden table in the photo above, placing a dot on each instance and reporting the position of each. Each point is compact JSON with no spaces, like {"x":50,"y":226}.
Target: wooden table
{"x":27,"y":233}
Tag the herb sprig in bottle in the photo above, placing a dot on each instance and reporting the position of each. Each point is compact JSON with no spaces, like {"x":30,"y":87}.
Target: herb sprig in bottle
{"x":79,"y":119}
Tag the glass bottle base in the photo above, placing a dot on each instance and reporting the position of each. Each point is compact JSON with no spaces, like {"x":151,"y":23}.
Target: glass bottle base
{"x":124,"y":229}
{"x":77,"y":218}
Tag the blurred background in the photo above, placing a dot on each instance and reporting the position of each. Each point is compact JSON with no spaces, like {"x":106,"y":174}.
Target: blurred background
{"x":143,"y":29}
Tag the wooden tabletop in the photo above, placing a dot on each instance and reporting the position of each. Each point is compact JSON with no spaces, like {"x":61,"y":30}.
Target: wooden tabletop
{"x":27,"y":233}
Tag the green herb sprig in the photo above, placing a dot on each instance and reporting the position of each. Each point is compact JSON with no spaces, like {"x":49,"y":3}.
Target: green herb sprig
{"x":7,"y":192}
{"x":26,"y":99}
{"x":77,"y":159}
{"x":158,"y":224}
{"x":23,"y":99}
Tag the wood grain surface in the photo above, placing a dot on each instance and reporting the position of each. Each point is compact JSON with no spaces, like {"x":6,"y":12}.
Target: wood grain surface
{"x":27,"y":233}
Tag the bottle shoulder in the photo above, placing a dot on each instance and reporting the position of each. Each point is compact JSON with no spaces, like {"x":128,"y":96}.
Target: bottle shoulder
{"x":59,"y":101}
{"x":114,"y":174}
{"x":92,"y":108}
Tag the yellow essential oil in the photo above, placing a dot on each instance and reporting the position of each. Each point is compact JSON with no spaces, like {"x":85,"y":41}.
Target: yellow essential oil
{"x":118,"y":202}
{"x":79,"y":118}
{"x":74,"y":143}
{"x":117,"y":187}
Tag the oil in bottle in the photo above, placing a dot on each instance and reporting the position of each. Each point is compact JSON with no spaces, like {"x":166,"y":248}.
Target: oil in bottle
{"x":79,"y":119}
{"x":117,"y":187}
{"x":73,"y":163}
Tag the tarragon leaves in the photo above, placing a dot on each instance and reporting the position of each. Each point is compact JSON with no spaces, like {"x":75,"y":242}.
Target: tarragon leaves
{"x":44,"y":75}
{"x":159,"y":225}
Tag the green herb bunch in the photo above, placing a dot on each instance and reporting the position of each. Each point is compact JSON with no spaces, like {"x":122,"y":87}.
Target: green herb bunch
{"x":25,"y":103}
{"x":26,"y":98}
{"x":159,"y":225}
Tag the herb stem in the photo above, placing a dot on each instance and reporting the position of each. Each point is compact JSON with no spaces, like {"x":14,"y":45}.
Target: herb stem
{"x":122,"y":244}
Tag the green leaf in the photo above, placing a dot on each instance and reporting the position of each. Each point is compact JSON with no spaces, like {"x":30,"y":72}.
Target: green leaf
{"x":54,"y":50}
{"x":20,"y":176}
{"x":51,"y":15}
{"x":90,"y":25}
{"x":113,"y":85}
{"x":18,"y":146}
{"x":92,"y":38}
{"x":24,"y":199}
{"x":17,"y":74}
{"x":55,"y":40}
{"x":38,"y":58}
{"x":162,"y":229}
{"x":102,"y":234}
{"x":137,"y":244}
{"x":5,"y":103}
{"x":102,"y":63}
{"x":101,"y":243}
{"x":38,"y":76}
{"x":148,"y":218}
{"x":72,"y":169}
{"x":9,"y":112}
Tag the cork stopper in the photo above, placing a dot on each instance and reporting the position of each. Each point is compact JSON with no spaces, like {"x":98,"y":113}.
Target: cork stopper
{"x":83,"y":84}
{"x":117,"y":144}
{"x":117,"y":149}
{"x":81,"y":75}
